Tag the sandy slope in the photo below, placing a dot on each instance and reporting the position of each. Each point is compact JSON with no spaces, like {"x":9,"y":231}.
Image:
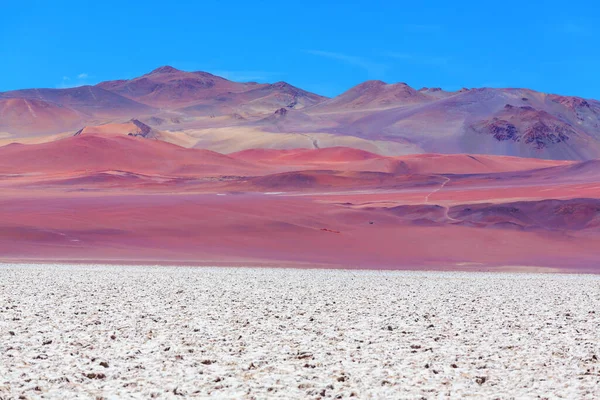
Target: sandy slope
{"x":92,"y":153}
{"x":117,"y":332}
{"x":96,"y":196}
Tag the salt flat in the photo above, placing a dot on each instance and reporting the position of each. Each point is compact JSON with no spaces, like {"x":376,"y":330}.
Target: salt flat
{"x":114,"y":332}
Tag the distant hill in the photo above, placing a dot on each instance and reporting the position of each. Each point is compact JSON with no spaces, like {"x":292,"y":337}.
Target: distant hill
{"x":198,"y":109}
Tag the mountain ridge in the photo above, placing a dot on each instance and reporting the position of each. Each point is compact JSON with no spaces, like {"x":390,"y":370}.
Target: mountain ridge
{"x":199,"y":107}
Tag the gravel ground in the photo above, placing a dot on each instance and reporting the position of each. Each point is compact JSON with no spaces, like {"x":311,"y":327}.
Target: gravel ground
{"x":120,"y":332}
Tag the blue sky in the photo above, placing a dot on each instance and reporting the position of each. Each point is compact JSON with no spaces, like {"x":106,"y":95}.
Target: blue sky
{"x":322,"y":46}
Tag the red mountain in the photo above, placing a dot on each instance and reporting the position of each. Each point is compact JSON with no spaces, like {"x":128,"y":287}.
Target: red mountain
{"x":99,"y":153}
{"x":31,"y":116}
{"x":170,"y":88}
{"x":374,"y":95}
{"x":89,"y":100}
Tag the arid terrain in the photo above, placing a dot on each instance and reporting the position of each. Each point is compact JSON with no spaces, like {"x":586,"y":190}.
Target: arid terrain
{"x":182,"y":332}
{"x":188,"y":167}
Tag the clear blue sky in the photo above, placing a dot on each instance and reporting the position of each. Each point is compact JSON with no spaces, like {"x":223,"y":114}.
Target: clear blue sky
{"x":323,"y":46}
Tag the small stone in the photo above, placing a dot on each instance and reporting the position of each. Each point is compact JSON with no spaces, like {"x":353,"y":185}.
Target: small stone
{"x":93,"y":375}
{"x":480,"y":380}
{"x":104,"y":364}
{"x":47,"y":342}
{"x":304,"y":354}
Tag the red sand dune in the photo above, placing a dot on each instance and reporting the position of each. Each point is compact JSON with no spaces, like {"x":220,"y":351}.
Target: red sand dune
{"x":302,"y":156}
{"x":349,"y":159}
{"x":315,"y":180}
{"x":102,"y":197}
{"x":98,"y":149}
{"x":586,"y":171}
{"x":93,"y":153}
{"x":472,"y":164}
{"x":80,"y":158}
{"x":565,"y":174}
{"x":32,"y":116}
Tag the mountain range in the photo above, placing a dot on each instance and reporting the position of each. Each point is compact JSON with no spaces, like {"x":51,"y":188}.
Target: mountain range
{"x":198,"y":109}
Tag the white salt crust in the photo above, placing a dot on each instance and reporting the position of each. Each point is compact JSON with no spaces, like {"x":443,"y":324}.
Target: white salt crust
{"x":123,"y":332}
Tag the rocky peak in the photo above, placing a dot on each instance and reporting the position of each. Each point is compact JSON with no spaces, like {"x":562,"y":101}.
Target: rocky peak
{"x":144,"y":129}
{"x":167,"y":69}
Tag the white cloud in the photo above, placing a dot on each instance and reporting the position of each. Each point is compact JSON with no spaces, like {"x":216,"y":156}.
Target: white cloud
{"x":374,"y":69}
{"x":69,"y":82}
{"x":246,"y":76}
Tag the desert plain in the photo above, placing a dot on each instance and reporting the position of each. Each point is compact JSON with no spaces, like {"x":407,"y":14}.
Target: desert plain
{"x":113,"y":332}
{"x":126,"y":199}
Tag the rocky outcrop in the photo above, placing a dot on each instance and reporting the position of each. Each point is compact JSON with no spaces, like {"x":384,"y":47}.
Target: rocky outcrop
{"x":144,"y":130}
{"x":526,"y":124}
